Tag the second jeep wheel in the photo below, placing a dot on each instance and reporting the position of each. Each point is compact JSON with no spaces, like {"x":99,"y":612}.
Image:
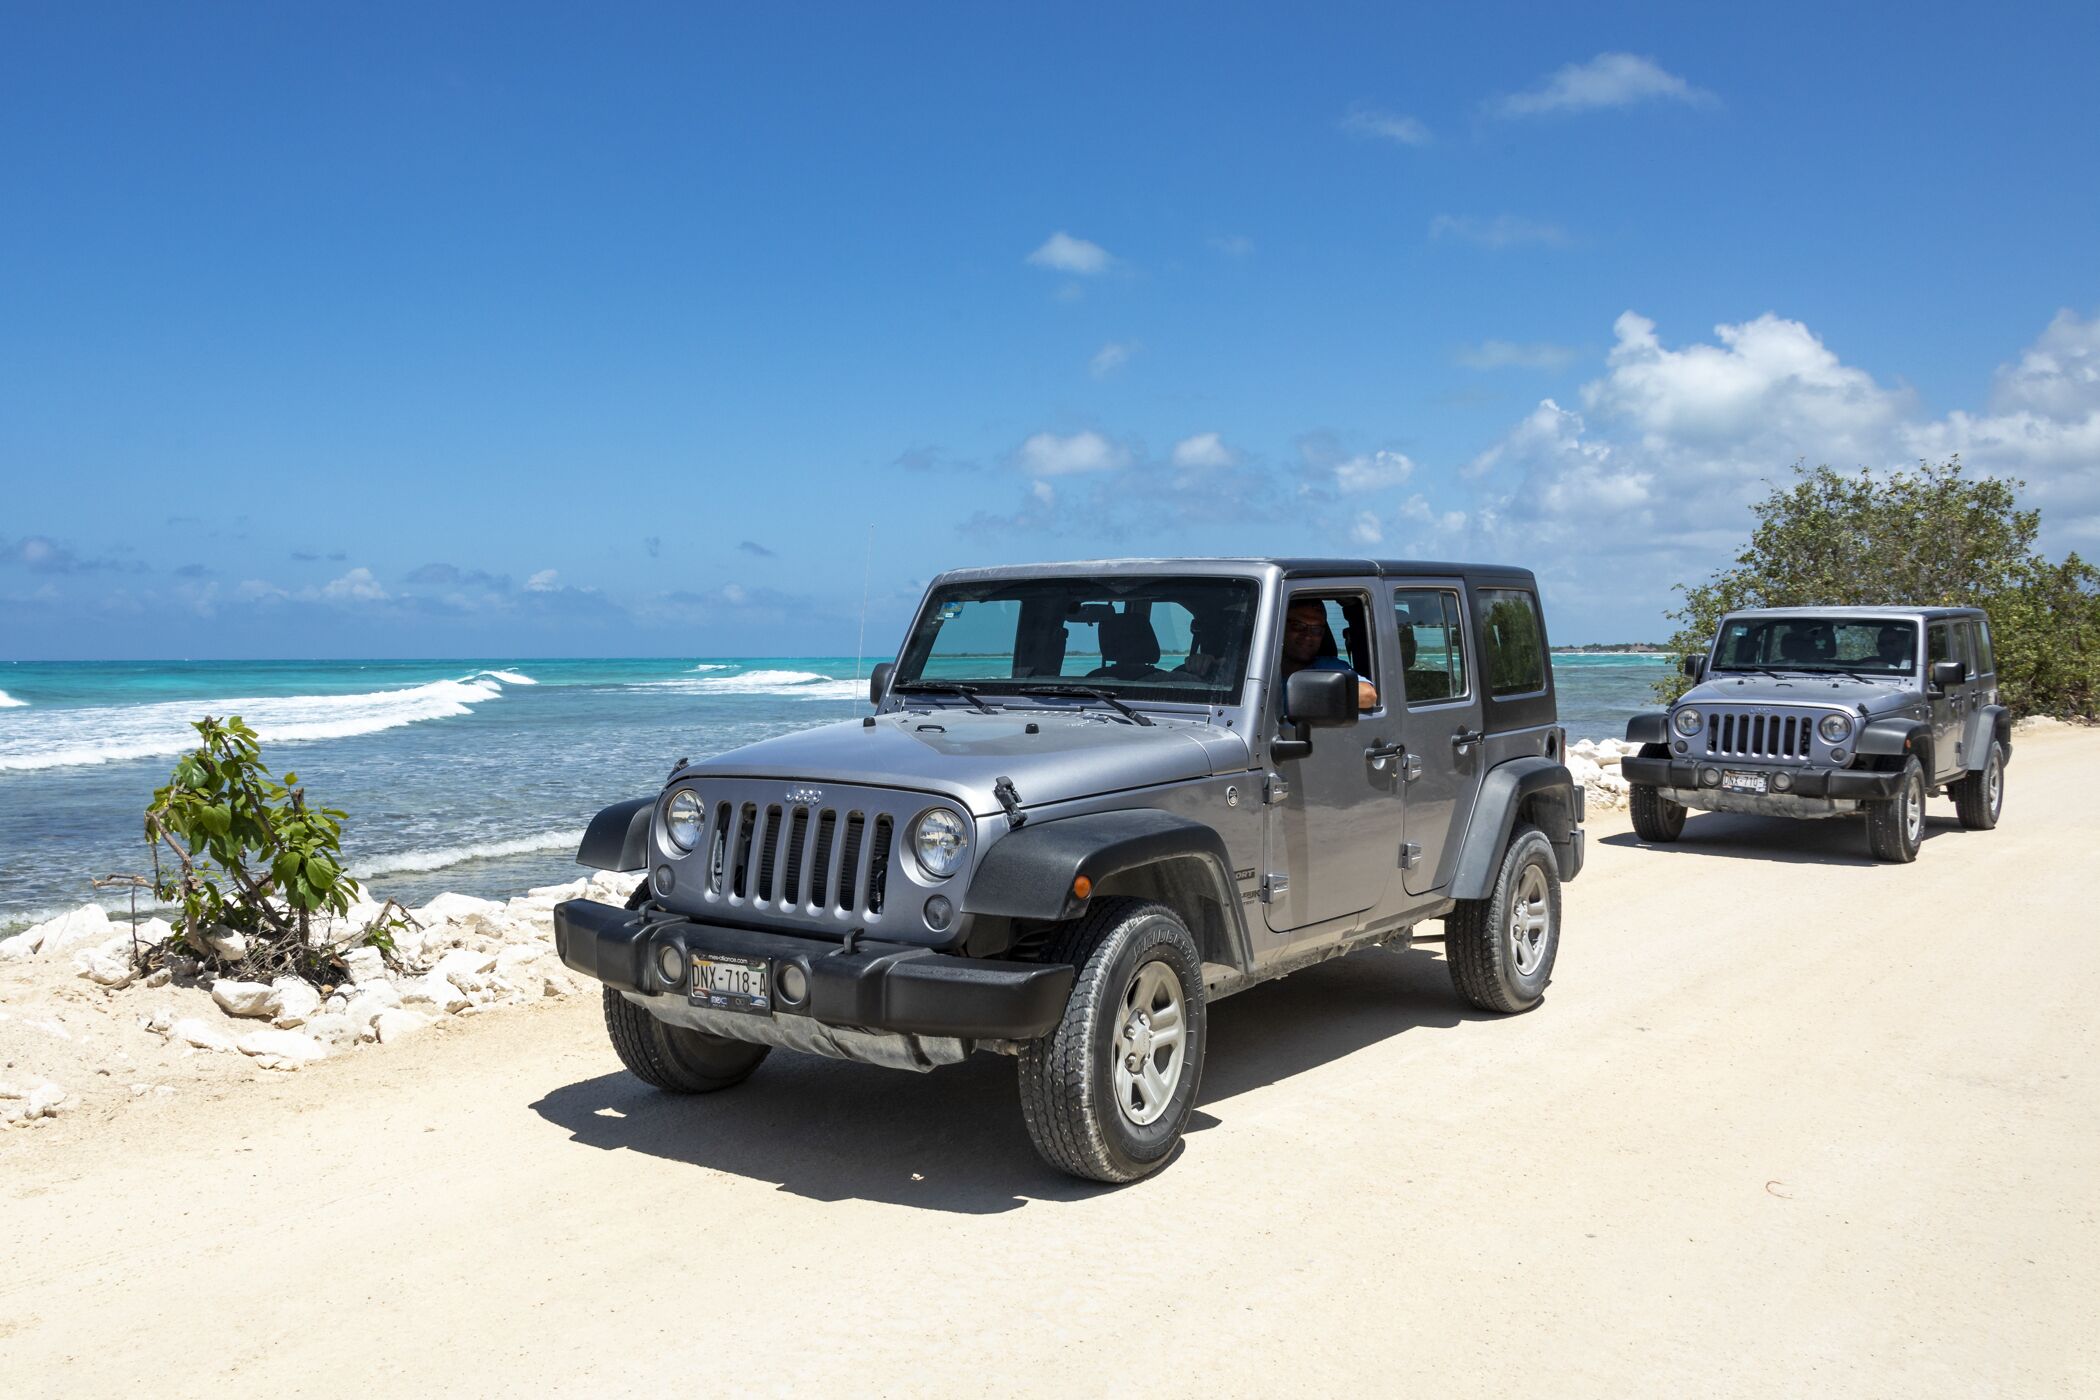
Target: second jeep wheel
{"x":1108,"y":1091}
{"x":1656,"y":818}
{"x":1501,"y":948}
{"x":673,"y":1057}
{"x":1980,"y":796}
{"x":1896,"y":827}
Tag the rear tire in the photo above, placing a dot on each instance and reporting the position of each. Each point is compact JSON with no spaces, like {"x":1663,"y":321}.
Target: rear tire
{"x":1501,"y":948}
{"x":674,"y":1058}
{"x":1107,"y":1093}
{"x":1979,"y":797}
{"x":1896,"y":827}
{"x":1656,"y":819}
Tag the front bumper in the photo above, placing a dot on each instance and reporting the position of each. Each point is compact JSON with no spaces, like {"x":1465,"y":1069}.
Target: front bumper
{"x":1843,"y":783}
{"x":878,"y":986}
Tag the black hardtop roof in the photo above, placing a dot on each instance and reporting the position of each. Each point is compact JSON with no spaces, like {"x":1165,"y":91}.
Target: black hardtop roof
{"x":1288,"y":567}
{"x":1869,"y":610}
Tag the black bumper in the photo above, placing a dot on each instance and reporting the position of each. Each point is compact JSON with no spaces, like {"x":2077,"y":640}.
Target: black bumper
{"x":877,"y":986}
{"x":1808,"y":782}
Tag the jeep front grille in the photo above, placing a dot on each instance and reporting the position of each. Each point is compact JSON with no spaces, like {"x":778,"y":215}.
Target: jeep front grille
{"x":1786,"y":738}
{"x":801,"y":858}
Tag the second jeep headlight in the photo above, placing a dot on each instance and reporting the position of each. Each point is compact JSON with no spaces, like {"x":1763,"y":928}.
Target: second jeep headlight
{"x":683,"y":816}
{"x":1834,"y":728}
{"x":1687,"y":720}
{"x":939,"y":842}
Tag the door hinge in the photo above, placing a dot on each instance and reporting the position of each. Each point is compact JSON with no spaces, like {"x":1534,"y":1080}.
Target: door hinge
{"x":1410,"y":856}
{"x":1275,"y":888}
{"x":1274,"y":789}
{"x":1410,"y":767}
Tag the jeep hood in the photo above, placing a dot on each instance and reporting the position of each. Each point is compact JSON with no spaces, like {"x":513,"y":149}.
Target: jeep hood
{"x":1787,"y":688}
{"x":961,"y":754}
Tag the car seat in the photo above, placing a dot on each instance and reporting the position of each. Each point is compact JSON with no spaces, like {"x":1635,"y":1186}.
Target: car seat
{"x":1129,"y":649}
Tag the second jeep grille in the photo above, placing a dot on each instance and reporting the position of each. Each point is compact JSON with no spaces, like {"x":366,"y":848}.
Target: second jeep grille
{"x":783,"y":854}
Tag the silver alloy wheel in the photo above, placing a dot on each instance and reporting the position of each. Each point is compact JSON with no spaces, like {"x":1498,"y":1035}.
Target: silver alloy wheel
{"x":1529,"y":916}
{"x":1151,"y":1043}
{"x":1914,"y":810}
{"x":1994,"y":785}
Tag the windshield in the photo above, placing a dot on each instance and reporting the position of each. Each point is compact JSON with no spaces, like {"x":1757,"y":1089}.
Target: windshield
{"x":1864,"y":646}
{"x":1136,"y":638}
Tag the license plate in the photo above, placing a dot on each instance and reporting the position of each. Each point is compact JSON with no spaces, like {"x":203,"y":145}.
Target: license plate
{"x":1745,"y":782}
{"x":732,"y":984}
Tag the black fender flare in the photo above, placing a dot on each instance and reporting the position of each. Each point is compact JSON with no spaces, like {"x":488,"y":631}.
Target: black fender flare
{"x":1990,"y":722}
{"x":1896,"y":736}
{"x":1495,"y":813}
{"x":618,"y":837}
{"x":1649,"y":727}
{"x":1033,"y":873}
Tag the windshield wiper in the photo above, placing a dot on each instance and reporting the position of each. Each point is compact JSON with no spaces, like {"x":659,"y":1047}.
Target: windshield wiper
{"x":945,"y":688}
{"x":1085,"y":692}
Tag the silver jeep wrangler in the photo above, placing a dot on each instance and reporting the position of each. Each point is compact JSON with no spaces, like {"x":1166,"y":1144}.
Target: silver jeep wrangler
{"x":1827,"y":712}
{"x":1094,"y":798}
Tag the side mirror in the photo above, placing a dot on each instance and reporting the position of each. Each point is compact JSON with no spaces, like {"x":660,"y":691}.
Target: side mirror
{"x":879,"y":681}
{"x":1320,"y":699}
{"x":1695,"y":666}
{"x":1946,"y":673}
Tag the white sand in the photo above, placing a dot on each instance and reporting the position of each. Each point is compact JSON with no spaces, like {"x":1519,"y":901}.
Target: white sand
{"x":1789,"y":1123}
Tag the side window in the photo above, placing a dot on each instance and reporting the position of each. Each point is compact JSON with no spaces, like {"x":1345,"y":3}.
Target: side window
{"x":1338,"y":639}
{"x":1940,"y":644}
{"x":1432,"y":644}
{"x":1980,"y":647}
{"x":1512,"y":643}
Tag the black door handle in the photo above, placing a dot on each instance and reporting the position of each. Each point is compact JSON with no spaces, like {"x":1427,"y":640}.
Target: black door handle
{"x":1379,"y":755}
{"x":1465,"y":737}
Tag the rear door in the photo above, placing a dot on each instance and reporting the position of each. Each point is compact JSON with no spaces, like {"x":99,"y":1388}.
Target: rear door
{"x":1438,"y":777}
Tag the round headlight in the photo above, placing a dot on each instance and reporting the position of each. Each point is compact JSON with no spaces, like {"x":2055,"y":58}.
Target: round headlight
{"x":1834,"y":728}
{"x":938,"y":840}
{"x":1687,"y":720}
{"x":683,"y":816}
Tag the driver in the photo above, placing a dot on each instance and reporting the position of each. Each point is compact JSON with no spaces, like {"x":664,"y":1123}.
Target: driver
{"x":1307,"y":645}
{"x":1892,"y":648}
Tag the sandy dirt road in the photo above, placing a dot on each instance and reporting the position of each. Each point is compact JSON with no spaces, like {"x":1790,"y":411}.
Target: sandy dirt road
{"x":1789,"y":1122}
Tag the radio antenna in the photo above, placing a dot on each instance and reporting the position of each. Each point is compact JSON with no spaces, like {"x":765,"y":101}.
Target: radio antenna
{"x":860,"y":643}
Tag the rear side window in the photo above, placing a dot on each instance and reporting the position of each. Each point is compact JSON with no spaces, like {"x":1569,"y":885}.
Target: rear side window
{"x":1512,"y":642}
{"x":1432,"y":644}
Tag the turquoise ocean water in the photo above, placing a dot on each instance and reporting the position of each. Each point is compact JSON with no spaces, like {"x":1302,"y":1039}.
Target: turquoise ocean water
{"x":471,"y":775}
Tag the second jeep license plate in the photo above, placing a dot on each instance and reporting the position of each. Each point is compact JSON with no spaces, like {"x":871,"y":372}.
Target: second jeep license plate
{"x":1744,"y":782}
{"x":732,"y":984}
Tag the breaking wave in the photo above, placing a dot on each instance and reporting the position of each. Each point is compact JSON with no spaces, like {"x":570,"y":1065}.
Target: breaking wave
{"x":71,"y":738}
{"x":8,"y":702}
{"x":789,"y":685}
{"x":443,"y":857}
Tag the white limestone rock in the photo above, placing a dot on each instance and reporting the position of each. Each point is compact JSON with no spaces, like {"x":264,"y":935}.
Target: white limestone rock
{"x":85,"y":925}
{"x":367,"y":966}
{"x":556,"y":982}
{"x":399,"y":1025}
{"x":203,"y":1035}
{"x":466,"y":961}
{"x":44,"y":1101}
{"x":275,"y":1049}
{"x":435,"y":991}
{"x":242,"y":998}
{"x":21,"y":946}
{"x":372,"y":1002}
{"x":293,"y":1002}
{"x":333,"y":1029}
{"x":225,"y":944}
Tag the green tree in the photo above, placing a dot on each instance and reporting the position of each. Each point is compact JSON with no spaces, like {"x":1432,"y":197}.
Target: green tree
{"x":1933,"y":536}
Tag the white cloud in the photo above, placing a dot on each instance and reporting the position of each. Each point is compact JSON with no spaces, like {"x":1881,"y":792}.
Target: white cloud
{"x":1502,"y":231}
{"x":545,"y":581}
{"x":1416,"y":510}
{"x":1061,"y":252}
{"x":1203,"y":450}
{"x":1110,"y":358}
{"x":1048,"y":454}
{"x":1506,"y":354}
{"x":1366,"y":529}
{"x":1386,"y":126}
{"x":357,"y":586}
{"x":1372,"y":471}
{"x":1608,"y":80}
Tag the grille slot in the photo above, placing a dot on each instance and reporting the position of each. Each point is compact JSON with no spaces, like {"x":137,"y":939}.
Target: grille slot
{"x":820,"y":860}
{"x":741,"y":878}
{"x":879,"y":864}
{"x":850,"y":883}
{"x":798,"y":852}
{"x":1787,"y":737}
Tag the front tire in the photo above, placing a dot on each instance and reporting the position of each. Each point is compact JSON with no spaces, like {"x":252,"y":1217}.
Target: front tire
{"x":1980,"y":797}
{"x":1656,"y":819}
{"x":674,"y":1058}
{"x":1107,"y":1093}
{"x":1501,"y":948}
{"x":1896,"y":827}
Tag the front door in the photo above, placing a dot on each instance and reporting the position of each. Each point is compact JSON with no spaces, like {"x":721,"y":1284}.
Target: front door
{"x":1332,"y":833}
{"x":1441,"y":706}
{"x":1949,"y":705}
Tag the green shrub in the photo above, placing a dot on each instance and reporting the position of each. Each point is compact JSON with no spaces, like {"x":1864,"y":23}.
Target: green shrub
{"x":1930,"y":537}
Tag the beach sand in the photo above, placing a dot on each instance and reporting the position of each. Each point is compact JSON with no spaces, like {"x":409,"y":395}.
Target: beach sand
{"x":1789,"y":1122}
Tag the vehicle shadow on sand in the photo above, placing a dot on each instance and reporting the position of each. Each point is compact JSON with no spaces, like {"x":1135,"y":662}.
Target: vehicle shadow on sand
{"x":953,"y":1139}
{"x":1785,"y":840}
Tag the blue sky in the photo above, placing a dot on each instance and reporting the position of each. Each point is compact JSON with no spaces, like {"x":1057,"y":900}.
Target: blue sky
{"x":450,"y":330}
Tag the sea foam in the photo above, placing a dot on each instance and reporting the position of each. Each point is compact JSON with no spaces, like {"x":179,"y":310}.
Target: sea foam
{"x":787,"y":685}
{"x":443,"y":857}
{"x":8,"y":702}
{"x":65,"y":738}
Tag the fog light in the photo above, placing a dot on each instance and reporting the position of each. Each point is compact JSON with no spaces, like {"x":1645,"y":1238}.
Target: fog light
{"x":1782,"y":782}
{"x":794,"y":984}
{"x":1683,"y":747}
{"x":1710,"y":777}
{"x":670,"y":964}
{"x":939,"y":913}
{"x":1837,"y":755}
{"x":665,"y":879}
